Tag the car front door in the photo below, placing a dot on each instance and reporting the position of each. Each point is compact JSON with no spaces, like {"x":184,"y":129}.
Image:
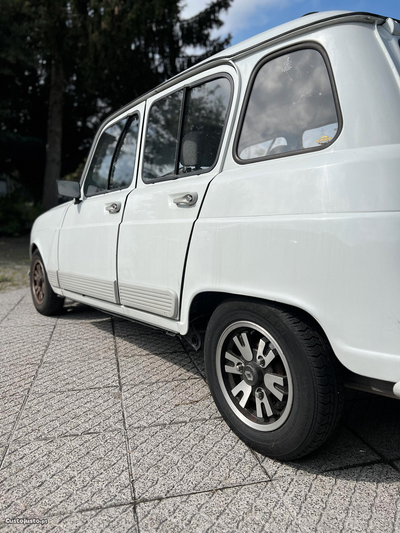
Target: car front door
{"x":182,"y":152}
{"x":89,"y":234}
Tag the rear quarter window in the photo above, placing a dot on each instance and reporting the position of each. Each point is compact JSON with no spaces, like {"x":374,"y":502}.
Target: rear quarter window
{"x":291,"y":107}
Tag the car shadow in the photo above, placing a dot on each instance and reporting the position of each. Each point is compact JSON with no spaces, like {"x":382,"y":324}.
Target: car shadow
{"x":367,"y":437}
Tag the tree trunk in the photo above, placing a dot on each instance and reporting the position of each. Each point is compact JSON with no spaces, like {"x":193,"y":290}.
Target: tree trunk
{"x":54,"y":136}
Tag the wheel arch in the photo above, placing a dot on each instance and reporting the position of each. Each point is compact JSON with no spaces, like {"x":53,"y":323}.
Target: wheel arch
{"x":32,"y":249}
{"x":205,"y":303}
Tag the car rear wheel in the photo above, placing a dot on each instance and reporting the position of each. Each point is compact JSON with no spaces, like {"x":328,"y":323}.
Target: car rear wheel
{"x":44,"y":298}
{"x":273,"y":378}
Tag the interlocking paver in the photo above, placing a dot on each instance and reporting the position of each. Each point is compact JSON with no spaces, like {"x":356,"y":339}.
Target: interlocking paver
{"x":133,"y":339}
{"x":81,"y":341}
{"x":70,"y":413}
{"x":27,"y":322}
{"x":166,"y":403}
{"x":251,"y":508}
{"x":9,"y":410}
{"x":147,"y":369}
{"x":76,"y":375}
{"x":182,"y":458}
{"x":14,"y":347}
{"x":11,"y":298}
{"x":64,"y":475}
{"x":68,"y":458}
{"x":376,"y":420}
{"x":362,"y":499}
{"x":196,"y":357}
{"x":343,"y":450}
{"x":118,"y":519}
{"x":16,"y":378}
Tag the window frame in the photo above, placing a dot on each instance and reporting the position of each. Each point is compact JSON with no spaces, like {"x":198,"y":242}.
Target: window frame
{"x":307,"y":45}
{"x":185,"y":87}
{"x":129,"y":119}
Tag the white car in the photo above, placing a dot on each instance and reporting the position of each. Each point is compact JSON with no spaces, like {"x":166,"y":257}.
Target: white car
{"x":252,"y":203}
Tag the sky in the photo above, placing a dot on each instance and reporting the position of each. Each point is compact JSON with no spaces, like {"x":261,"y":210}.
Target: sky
{"x":246,"y":18}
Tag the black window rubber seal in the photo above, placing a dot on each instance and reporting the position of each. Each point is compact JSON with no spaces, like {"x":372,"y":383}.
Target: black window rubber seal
{"x":189,"y":86}
{"x":307,"y":45}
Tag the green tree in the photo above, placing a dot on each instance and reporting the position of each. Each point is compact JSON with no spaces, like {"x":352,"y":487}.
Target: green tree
{"x":77,"y":60}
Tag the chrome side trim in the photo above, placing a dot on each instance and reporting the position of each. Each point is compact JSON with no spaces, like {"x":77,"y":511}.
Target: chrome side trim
{"x":158,"y":301}
{"x":97,"y":288}
{"x":53,"y":278}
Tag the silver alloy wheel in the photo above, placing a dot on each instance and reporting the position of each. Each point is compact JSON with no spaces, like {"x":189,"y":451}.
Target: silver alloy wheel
{"x":254,"y":376}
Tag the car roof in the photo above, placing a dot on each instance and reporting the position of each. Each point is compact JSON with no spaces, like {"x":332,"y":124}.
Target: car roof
{"x":282,"y":32}
{"x":302,"y":23}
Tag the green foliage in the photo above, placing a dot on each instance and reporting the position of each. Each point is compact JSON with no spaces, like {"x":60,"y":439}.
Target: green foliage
{"x":111,"y":51}
{"x":17,"y":214}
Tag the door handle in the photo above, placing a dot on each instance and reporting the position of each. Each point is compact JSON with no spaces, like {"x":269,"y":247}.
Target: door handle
{"x":188,"y":199}
{"x":114,"y":207}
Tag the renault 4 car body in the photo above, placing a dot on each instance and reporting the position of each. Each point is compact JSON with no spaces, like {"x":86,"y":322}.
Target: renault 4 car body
{"x":252,"y":204}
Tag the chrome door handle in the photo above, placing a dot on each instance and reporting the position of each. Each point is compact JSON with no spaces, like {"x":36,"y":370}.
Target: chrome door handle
{"x":188,"y":199}
{"x":114,"y":207}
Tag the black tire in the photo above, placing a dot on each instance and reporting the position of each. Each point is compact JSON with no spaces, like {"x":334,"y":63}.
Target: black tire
{"x":293,"y":390}
{"x":44,"y":298}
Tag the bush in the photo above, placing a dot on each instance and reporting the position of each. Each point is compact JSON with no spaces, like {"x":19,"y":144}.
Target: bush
{"x":17,"y":215}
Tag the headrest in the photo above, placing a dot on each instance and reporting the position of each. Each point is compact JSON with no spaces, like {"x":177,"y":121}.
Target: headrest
{"x":199,"y":148}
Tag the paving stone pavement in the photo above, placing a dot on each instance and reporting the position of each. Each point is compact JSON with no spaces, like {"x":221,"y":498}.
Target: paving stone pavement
{"x":106,"y":425}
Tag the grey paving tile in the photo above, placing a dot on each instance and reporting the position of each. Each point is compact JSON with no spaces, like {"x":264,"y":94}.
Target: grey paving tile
{"x":376,"y":420}
{"x":362,"y":499}
{"x":11,"y":298}
{"x":133,"y":339}
{"x":196,"y":357}
{"x":343,"y":450}
{"x":23,"y":346}
{"x":10,"y":407}
{"x":4,"y":312}
{"x":76,"y":312}
{"x":70,"y":413}
{"x":76,"y":375}
{"x":16,"y":379}
{"x":164,"y":403}
{"x":81,"y":341}
{"x":179,"y":459}
{"x":157,"y":368}
{"x":251,"y":508}
{"x":61,"y":476}
{"x":118,"y":519}
{"x":27,"y":319}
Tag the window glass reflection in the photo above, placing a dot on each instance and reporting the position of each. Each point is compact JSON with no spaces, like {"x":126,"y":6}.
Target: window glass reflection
{"x":124,"y":160}
{"x":291,"y":99}
{"x":97,"y":177}
{"x":205,"y":113}
{"x":162,"y":137}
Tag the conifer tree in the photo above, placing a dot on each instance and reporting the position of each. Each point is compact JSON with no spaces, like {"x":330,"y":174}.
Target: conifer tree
{"x":89,"y":57}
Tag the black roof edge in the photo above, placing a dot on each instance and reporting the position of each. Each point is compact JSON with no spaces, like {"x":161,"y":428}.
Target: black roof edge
{"x":162,"y":85}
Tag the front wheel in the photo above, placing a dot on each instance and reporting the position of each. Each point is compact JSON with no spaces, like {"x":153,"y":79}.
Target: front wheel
{"x":273,"y":378}
{"x":44,"y":298}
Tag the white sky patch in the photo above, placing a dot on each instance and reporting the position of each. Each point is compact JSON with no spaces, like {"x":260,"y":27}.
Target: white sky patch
{"x":241,"y":15}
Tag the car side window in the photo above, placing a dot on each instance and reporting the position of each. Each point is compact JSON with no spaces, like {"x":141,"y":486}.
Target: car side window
{"x":185,"y":129}
{"x":124,"y":161}
{"x":162,"y":136}
{"x":291,"y":107}
{"x":113,"y":162}
{"x":205,"y":113}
